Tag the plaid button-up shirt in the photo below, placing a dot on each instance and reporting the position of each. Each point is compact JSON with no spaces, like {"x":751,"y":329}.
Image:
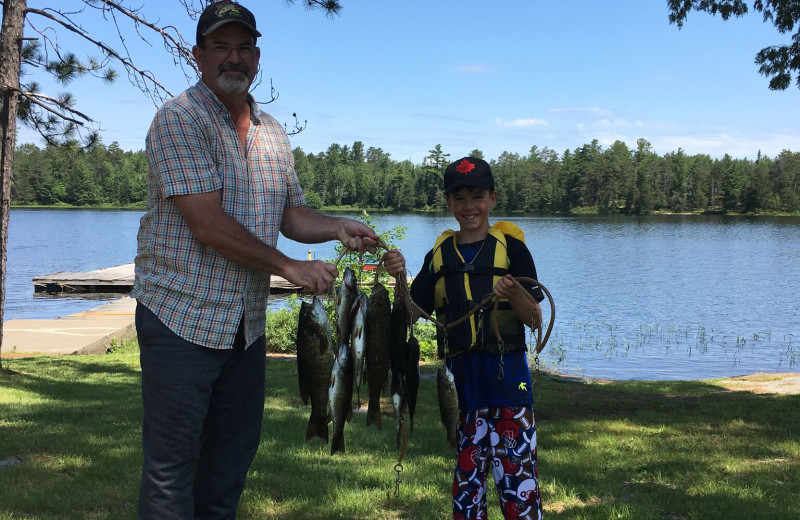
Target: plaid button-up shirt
{"x":192,"y":147}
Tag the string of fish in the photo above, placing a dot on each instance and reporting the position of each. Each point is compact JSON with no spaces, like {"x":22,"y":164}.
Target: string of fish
{"x":405,"y":378}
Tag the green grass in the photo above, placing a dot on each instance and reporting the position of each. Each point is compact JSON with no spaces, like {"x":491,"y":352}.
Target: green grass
{"x":626,"y":450}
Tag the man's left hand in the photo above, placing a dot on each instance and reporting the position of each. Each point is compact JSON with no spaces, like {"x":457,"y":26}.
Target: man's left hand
{"x":356,"y":236}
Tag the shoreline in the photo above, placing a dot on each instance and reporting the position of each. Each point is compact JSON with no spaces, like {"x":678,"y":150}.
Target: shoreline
{"x":787,"y":383}
{"x":93,"y":331}
{"x":342,"y":209}
{"x":784,"y":383}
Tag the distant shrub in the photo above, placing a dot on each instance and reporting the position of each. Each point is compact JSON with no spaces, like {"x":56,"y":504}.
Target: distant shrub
{"x":425,"y":332}
{"x":282,"y":327}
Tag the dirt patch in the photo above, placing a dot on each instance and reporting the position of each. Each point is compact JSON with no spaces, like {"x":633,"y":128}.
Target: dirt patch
{"x":281,"y":357}
{"x":20,"y":355}
{"x":764,"y":383}
{"x":759,"y":382}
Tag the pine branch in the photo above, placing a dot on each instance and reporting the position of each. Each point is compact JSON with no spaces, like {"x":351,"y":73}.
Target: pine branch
{"x":35,"y":98}
{"x":180,"y":49}
{"x":159,"y":91}
{"x":331,"y":7}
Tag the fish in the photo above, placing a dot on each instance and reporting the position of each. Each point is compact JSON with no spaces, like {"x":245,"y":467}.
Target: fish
{"x":315,"y":355}
{"x":340,"y":396}
{"x":448,"y":404}
{"x":412,"y":376}
{"x":379,"y":311}
{"x":358,"y":339}
{"x":398,"y":339}
{"x":345,"y":297}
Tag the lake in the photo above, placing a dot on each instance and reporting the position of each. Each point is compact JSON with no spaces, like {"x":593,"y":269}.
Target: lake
{"x":669,"y":297}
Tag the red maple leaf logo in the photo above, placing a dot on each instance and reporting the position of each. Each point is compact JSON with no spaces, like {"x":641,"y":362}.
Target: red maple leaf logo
{"x":465,"y":167}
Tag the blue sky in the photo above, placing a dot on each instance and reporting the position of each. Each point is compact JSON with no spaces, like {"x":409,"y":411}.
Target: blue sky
{"x":494,"y":76}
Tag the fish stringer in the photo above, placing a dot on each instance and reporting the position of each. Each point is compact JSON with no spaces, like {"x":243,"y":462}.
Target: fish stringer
{"x":501,"y":372}
{"x":398,"y":468}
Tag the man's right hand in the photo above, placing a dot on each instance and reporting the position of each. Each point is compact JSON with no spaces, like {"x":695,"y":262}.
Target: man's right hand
{"x":313,"y":276}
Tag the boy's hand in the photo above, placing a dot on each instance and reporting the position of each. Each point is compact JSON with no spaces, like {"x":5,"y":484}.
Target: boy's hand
{"x":394,"y":262}
{"x":527,"y":309}
{"x":506,"y":288}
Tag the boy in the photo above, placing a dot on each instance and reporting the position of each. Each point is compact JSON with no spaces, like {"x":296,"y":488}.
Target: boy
{"x":492,"y":378}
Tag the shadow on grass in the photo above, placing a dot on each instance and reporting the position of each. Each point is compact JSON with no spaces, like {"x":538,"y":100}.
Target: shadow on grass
{"x":75,"y":423}
{"x":635,"y":450}
{"x":666,"y":450}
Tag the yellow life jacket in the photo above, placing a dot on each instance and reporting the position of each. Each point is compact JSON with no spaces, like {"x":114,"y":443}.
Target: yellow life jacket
{"x":461,"y":285}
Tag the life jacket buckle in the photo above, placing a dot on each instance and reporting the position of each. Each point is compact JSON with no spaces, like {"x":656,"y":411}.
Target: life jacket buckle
{"x":465,"y":268}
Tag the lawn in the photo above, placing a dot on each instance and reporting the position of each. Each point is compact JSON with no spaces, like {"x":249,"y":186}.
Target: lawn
{"x":69,"y":446}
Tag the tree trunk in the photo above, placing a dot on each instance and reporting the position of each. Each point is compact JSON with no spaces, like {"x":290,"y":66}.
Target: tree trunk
{"x":10,"y":52}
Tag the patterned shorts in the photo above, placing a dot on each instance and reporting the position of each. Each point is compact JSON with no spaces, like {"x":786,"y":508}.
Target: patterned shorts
{"x":504,"y":437}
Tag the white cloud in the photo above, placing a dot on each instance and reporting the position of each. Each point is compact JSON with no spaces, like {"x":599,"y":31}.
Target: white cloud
{"x":521,"y":123}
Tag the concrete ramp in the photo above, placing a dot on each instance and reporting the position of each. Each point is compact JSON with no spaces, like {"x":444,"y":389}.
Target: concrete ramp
{"x":89,"y":332}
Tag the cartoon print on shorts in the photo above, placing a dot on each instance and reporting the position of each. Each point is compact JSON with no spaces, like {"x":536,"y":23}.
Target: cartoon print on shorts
{"x":506,"y":438}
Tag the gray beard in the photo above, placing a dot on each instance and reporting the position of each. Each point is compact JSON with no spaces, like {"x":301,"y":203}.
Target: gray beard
{"x":234,"y":85}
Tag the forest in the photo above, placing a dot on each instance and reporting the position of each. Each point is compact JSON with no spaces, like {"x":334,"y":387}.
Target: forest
{"x":588,"y":179}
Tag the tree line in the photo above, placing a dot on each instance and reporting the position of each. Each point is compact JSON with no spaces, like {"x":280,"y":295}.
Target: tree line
{"x":591,"y":178}
{"x":77,"y":176}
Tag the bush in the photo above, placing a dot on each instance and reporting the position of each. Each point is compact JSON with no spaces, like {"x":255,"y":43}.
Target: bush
{"x":282,"y":327}
{"x":357,"y":263}
{"x":425,"y":332}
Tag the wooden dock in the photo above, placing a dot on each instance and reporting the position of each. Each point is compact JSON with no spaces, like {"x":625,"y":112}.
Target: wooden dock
{"x":118,"y":279}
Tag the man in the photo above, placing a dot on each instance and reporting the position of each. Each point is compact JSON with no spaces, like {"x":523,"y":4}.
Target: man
{"x":221,"y":184}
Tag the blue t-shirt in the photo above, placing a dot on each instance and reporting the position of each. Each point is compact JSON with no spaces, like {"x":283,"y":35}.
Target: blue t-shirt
{"x":476,"y":373}
{"x":478,"y":383}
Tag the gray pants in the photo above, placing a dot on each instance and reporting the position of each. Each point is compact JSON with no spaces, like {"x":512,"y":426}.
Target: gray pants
{"x":203,"y":410}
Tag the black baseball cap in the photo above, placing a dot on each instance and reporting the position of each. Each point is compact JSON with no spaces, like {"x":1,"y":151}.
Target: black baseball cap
{"x":468,"y":171}
{"x":222,"y":13}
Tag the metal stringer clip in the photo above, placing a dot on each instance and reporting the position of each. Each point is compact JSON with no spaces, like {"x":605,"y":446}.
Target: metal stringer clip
{"x":501,"y":374}
{"x":480,"y":325}
{"x":398,"y":468}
